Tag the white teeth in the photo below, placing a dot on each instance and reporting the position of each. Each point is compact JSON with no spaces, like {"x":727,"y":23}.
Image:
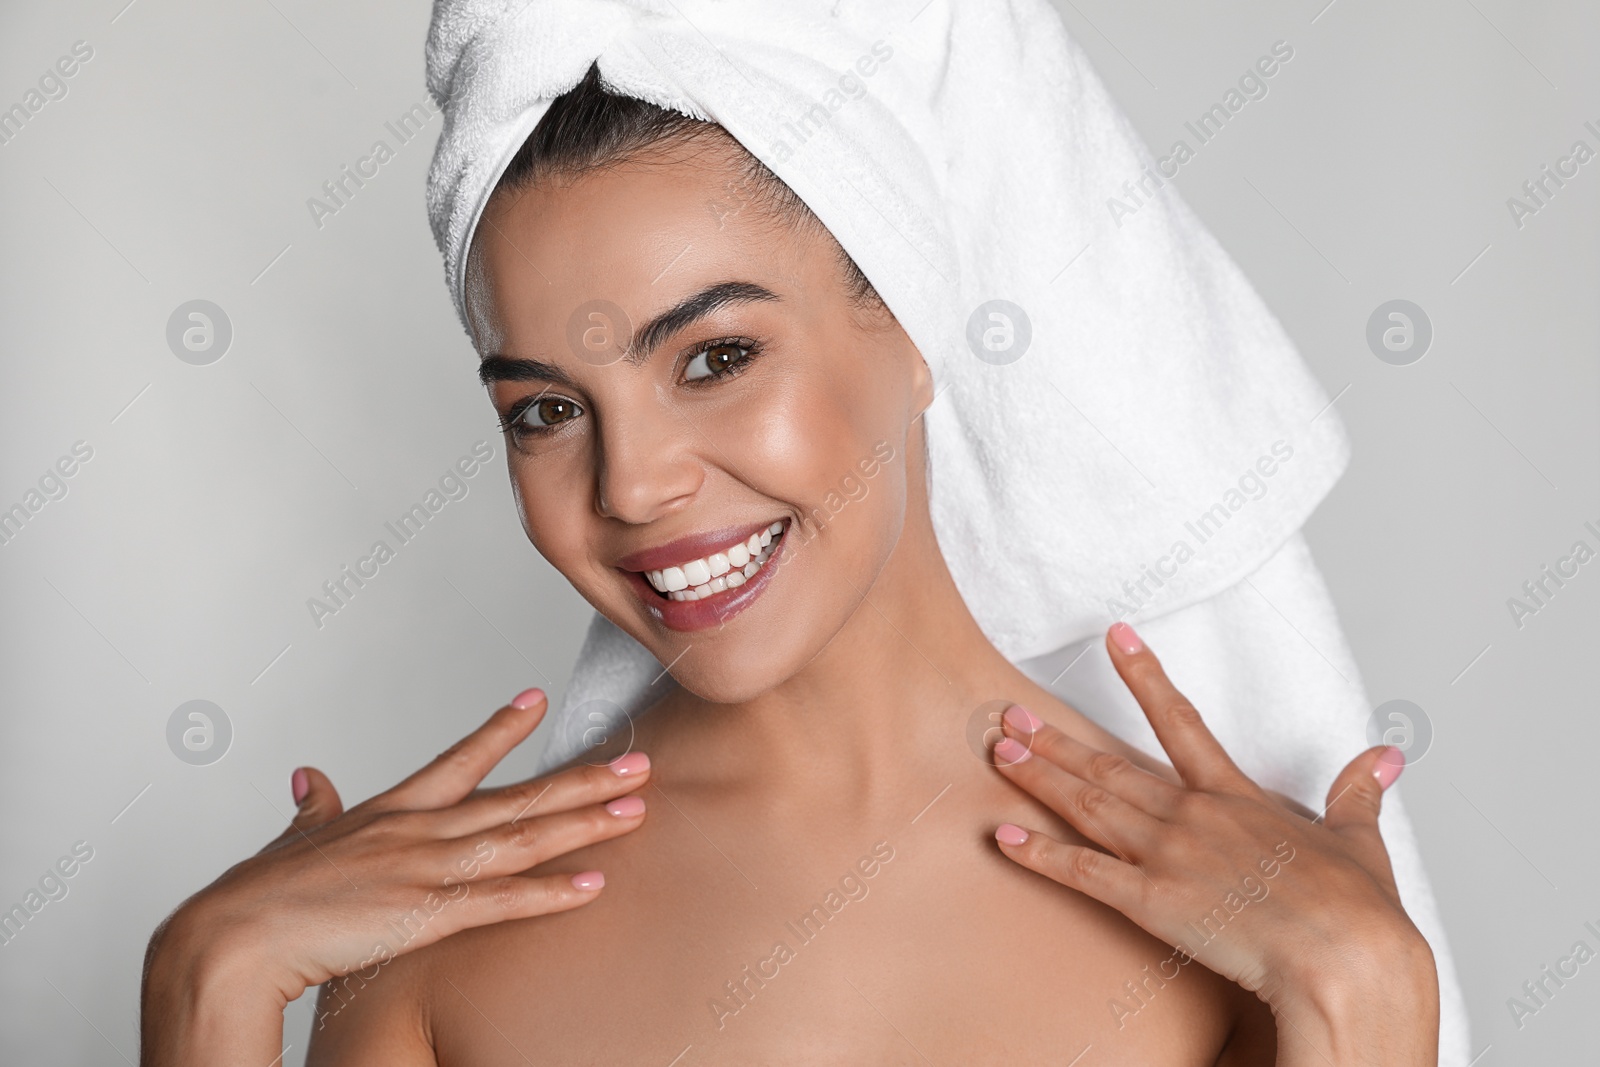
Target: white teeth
{"x":718,"y":572}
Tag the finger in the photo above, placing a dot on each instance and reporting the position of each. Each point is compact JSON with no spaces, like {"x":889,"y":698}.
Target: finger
{"x":1109,"y":771}
{"x":569,"y":789}
{"x":1105,"y":878}
{"x":496,"y":900}
{"x":527,"y":843}
{"x":1356,"y":796}
{"x":317,"y":802}
{"x":1095,"y":812}
{"x":1196,"y":755}
{"x":456,"y":771}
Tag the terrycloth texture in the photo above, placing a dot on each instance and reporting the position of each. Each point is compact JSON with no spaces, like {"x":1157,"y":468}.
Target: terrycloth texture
{"x":1156,"y":438}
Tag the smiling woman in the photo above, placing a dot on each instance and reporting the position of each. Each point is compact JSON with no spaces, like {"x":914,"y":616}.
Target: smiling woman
{"x":683,"y":391}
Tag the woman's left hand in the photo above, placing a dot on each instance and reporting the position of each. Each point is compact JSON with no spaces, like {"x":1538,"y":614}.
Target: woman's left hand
{"x":1302,"y":912}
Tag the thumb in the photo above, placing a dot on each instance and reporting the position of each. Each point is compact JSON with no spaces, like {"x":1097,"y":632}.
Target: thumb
{"x":1356,"y":796}
{"x":316,"y":800}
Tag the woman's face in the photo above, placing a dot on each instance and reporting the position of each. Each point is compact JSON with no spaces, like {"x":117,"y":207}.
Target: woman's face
{"x":679,"y":374}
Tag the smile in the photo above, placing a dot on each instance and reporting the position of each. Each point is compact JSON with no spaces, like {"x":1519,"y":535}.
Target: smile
{"x":729,"y":568}
{"x":705,"y":579}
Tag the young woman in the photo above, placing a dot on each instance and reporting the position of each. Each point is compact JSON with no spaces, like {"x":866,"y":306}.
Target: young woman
{"x":795,"y":858}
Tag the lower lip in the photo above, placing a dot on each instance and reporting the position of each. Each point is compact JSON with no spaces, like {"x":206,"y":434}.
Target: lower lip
{"x":714,"y":610}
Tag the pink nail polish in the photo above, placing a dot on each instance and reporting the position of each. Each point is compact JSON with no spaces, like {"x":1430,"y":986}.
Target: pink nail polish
{"x":1390,"y":764}
{"x":527,"y":698}
{"x":589,"y":880}
{"x":632,"y":763}
{"x":1022,"y":719}
{"x":1007,"y":834}
{"x":626,"y":807}
{"x":1125,"y":639}
{"x":299,"y":785}
{"x":1011,"y":751}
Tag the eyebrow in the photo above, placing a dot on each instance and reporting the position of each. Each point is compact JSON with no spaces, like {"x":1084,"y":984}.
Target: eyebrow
{"x":500,"y":368}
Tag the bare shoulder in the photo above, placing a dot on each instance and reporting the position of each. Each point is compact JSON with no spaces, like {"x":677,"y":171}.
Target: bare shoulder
{"x":374,"y":1016}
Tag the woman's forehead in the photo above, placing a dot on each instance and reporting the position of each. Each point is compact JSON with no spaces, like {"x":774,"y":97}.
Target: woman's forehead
{"x":636,"y":236}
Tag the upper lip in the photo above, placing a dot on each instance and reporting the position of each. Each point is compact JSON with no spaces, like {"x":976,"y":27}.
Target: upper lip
{"x":694,"y":546}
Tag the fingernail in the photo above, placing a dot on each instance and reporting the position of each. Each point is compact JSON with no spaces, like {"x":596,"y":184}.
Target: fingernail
{"x":632,"y":763}
{"x":527,"y":698}
{"x":1022,"y":719}
{"x":1125,"y":639}
{"x":1390,"y":764}
{"x":589,"y":880}
{"x":1007,"y":834}
{"x":1011,"y":751}
{"x":299,"y":785}
{"x":626,"y":807}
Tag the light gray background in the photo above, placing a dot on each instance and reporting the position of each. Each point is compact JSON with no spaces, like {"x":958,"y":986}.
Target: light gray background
{"x":220,"y":497}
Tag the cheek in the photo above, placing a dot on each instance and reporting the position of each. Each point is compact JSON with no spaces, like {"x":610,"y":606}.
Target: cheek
{"x":802,"y":438}
{"x":802,"y":441}
{"x":552,"y":513}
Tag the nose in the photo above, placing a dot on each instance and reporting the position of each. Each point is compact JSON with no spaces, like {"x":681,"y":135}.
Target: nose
{"x":647,"y":467}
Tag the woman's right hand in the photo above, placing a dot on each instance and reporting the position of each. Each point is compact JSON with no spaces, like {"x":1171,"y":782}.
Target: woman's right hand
{"x":342,"y":891}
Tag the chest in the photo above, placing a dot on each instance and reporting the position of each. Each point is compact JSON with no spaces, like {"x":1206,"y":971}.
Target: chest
{"x":917,"y":945}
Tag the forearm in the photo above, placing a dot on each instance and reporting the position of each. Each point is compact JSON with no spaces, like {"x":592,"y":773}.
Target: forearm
{"x":1372,"y":1012}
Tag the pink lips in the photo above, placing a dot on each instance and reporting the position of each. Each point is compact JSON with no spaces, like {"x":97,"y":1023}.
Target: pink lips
{"x":689,"y":615}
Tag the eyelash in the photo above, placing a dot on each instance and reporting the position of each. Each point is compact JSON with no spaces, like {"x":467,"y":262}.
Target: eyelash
{"x":519,"y":430}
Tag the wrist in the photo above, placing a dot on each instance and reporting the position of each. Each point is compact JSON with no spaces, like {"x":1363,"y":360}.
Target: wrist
{"x":1374,"y":1002}
{"x":207,"y":998}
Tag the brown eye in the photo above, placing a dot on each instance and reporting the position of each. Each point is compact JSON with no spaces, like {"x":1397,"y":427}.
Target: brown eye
{"x":714,"y":359}
{"x":547,"y":411}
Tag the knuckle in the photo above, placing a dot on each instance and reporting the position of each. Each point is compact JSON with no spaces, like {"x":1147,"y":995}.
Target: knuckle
{"x":1092,"y":800}
{"x":391,"y":827}
{"x":524,"y":835}
{"x":1104,"y":766}
{"x":1191,"y":806}
{"x":1083,"y":865}
{"x":506,"y":895}
{"x":523,"y":795}
{"x":1184,"y":714}
{"x":458,"y":755}
{"x":381,"y":826}
{"x":1366,"y":791}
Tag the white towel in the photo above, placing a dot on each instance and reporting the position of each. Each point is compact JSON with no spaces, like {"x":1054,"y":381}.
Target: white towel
{"x":1129,"y":434}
